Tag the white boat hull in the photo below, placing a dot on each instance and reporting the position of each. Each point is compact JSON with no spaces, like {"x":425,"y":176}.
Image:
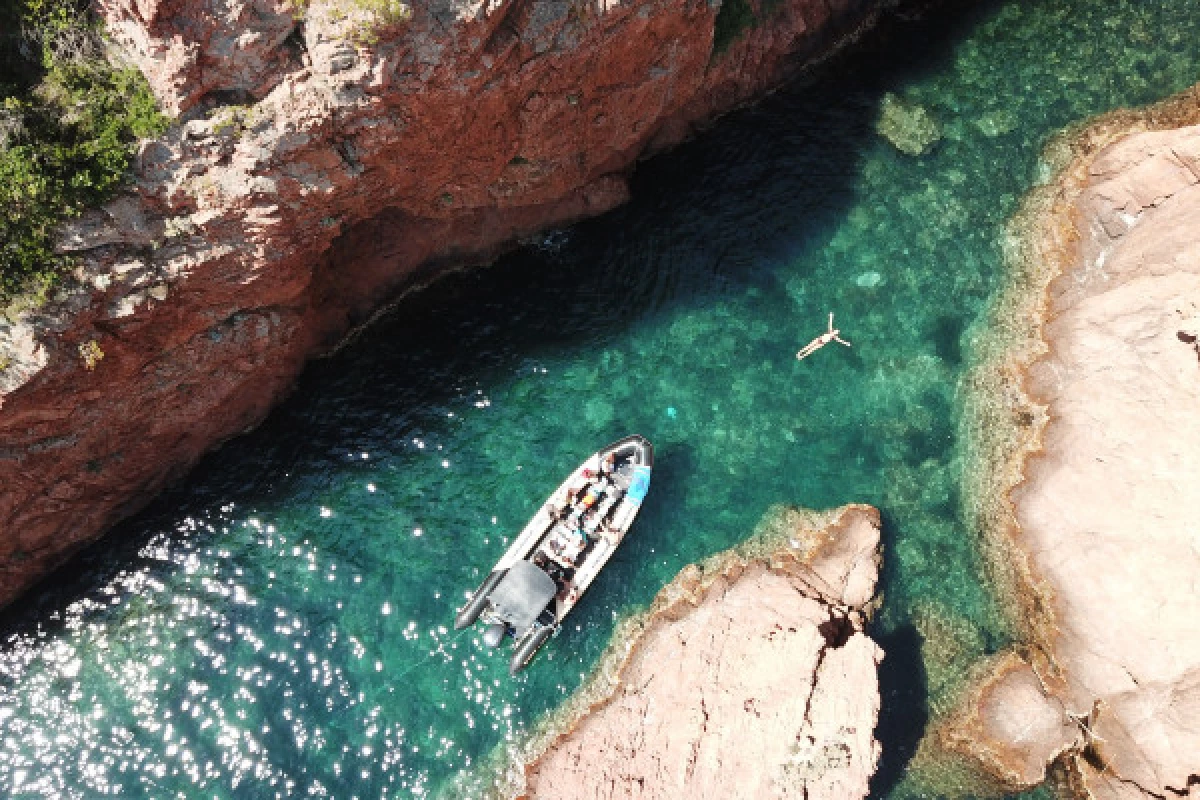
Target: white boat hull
{"x":569,"y":540}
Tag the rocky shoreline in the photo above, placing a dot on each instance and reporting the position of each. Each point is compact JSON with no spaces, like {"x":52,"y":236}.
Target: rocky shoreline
{"x":749,"y":676}
{"x":1086,"y":439}
{"x":326,"y":158}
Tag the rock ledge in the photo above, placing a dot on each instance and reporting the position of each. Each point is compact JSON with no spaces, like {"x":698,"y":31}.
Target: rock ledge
{"x":749,"y":676}
{"x":1090,"y":455}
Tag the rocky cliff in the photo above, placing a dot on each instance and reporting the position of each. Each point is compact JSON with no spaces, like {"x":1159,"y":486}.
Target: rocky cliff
{"x":328,"y":155}
{"x":1096,"y":488}
{"x":750,"y":676}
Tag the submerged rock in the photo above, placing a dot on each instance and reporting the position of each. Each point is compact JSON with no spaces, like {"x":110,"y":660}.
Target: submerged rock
{"x":868,"y":280}
{"x":750,"y":676}
{"x":910,"y":127}
{"x":996,"y":123}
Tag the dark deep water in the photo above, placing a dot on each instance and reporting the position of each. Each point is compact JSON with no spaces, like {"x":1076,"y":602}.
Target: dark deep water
{"x":280,"y":624}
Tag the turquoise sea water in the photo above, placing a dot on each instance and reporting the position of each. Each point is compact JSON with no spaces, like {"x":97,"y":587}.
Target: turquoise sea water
{"x":281,"y":624}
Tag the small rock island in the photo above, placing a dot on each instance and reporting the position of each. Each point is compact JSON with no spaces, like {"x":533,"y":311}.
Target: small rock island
{"x":750,"y":676}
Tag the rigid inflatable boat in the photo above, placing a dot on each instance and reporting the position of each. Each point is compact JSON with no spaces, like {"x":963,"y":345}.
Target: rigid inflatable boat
{"x":556,"y":557}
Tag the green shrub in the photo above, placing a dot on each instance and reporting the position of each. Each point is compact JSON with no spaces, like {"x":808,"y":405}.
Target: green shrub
{"x":91,"y":354}
{"x":734,"y":18}
{"x":383,"y":14}
{"x":69,"y":120}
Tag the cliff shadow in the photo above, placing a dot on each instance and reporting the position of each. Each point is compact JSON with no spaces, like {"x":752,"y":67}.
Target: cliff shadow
{"x":903,"y":711}
{"x":903,"y":682}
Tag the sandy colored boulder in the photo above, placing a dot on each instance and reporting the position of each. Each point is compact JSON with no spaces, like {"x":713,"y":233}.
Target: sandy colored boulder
{"x":1012,"y":726}
{"x":751,"y":677}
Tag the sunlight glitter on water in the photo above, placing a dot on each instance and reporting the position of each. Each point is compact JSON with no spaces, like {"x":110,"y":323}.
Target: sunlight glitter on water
{"x":207,"y":679}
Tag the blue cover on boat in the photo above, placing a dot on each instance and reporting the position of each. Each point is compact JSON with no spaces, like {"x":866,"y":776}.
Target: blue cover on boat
{"x":522,"y":595}
{"x":638,"y":485}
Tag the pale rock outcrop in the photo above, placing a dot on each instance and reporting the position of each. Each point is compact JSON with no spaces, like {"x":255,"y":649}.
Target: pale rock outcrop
{"x":186,"y":51}
{"x":751,"y":676}
{"x":1106,"y":512}
{"x":330,"y":154}
{"x":1012,"y":726}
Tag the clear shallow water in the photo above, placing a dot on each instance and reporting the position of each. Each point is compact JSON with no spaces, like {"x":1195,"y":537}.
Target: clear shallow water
{"x":280,"y":624}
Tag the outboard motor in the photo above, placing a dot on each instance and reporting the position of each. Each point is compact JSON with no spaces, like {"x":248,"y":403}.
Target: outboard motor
{"x":494,"y":634}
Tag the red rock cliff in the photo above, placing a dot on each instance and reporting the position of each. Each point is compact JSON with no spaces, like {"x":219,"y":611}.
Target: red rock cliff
{"x":328,"y":154}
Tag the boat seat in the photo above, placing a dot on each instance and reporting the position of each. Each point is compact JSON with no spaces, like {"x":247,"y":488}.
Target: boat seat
{"x":569,"y":547}
{"x":622,"y":476}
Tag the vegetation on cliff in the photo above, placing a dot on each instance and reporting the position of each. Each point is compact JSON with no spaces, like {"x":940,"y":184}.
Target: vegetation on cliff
{"x":735,"y":17}
{"x":69,"y":119}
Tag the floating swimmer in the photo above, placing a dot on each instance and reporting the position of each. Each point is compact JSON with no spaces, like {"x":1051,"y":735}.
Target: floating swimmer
{"x":816,"y":344}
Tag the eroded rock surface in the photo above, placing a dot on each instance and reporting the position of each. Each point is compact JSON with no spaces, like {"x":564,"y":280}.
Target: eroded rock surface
{"x":187,"y":51}
{"x":330,"y":154}
{"x":1106,"y":512}
{"x":752,"y":677}
{"x":1012,"y":726}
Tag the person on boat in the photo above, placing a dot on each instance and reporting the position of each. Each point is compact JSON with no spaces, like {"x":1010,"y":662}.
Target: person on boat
{"x":831,"y":335}
{"x":600,"y":481}
{"x":556,"y":544}
{"x":576,"y":488}
{"x":609,"y":465}
{"x":567,"y":592}
{"x":609,"y":534}
{"x":590,"y":497}
{"x":555,"y":571}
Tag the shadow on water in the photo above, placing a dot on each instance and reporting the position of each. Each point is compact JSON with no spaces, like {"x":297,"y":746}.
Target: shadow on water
{"x":903,"y":684}
{"x":903,"y":712}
